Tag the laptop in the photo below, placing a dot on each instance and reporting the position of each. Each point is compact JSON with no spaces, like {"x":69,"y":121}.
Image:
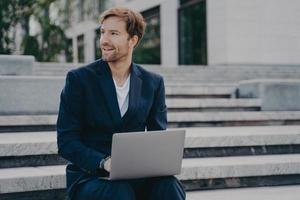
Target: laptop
{"x":146,"y":154}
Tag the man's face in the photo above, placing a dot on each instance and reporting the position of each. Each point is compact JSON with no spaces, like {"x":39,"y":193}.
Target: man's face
{"x":115,"y":43}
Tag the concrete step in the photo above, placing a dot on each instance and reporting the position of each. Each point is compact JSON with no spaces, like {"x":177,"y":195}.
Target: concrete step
{"x":181,"y":76}
{"x":212,"y":73}
{"x":291,"y":192}
{"x":12,"y":123}
{"x":32,"y":178}
{"x":186,"y":68}
{"x":29,"y":149}
{"x":40,"y":149}
{"x":196,"y":119}
{"x":197,"y":77}
{"x":21,"y":123}
{"x":200,"y":90}
{"x":238,"y":141}
{"x":194,"y":172}
{"x":50,"y":72}
{"x":38,"y":143}
{"x":202,"y":137}
{"x":204,"y":105}
{"x":239,"y":166}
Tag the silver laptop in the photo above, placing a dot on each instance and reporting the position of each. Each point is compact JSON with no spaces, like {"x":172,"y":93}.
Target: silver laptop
{"x":146,"y":154}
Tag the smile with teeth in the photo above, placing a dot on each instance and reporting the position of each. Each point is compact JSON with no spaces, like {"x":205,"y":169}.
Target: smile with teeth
{"x":107,"y":48}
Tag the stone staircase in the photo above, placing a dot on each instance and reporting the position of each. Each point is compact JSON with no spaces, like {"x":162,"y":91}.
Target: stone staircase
{"x":214,"y":158}
{"x":192,"y":74}
{"x":230,"y":144}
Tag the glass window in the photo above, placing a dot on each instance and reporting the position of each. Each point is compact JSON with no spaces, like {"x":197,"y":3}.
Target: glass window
{"x":97,"y":44}
{"x":192,"y":32}
{"x":80,"y":46}
{"x":69,"y":51}
{"x":148,"y":51}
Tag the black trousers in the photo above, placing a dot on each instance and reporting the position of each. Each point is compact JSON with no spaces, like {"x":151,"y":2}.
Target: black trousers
{"x":160,"y":188}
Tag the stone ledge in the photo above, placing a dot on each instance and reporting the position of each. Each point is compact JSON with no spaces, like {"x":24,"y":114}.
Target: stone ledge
{"x":215,"y":73}
{"x":239,"y":166}
{"x":43,"y":143}
{"x":259,"y":193}
{"x":32,"y":179}
{"x":200,"y":90}
{"x":208,"y":103}
{"x":275,"y":94}
{"x":16,"y":65}
{"x":53,"y":177}
{"x":200,"y":84}
{"x":27,"y":94}
{"x":290,"y":192}
{"x":232,"y":116}
{"x":173,"y":117}
{"x":27,"y":120}
{"x":22,"y":144}
{"x":241,"y":136}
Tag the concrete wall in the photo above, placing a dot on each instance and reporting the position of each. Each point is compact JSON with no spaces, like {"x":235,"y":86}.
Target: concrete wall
{"x":253,"y":32}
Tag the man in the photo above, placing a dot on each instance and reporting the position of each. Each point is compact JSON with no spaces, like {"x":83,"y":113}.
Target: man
{"x":109,"y":96}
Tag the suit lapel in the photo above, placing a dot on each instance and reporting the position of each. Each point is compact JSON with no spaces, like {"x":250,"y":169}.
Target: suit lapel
{"x":134,"y":94}
{"x":109,"y":92}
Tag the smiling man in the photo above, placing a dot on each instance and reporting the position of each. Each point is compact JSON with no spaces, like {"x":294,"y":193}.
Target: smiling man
{"x":111,"y":95}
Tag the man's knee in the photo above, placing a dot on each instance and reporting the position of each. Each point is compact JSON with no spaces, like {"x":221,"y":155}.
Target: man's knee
{"x":102,"y":189}
{"x":168,"y":187}
{"x":168,"y":182}
{"x":121,"y":190}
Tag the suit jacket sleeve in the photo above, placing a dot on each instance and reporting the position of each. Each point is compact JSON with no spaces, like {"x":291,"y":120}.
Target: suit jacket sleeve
{"x":70,"y":127}
{"x":157,"y":119}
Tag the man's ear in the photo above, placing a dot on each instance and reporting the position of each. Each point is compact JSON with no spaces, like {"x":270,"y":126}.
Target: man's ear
{"x":134,"y":40}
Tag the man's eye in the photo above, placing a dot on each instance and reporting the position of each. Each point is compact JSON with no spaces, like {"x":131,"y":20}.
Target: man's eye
{"x":114,"y":33}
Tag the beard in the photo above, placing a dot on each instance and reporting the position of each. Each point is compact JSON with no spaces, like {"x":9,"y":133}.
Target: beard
{"x":109,"y":58}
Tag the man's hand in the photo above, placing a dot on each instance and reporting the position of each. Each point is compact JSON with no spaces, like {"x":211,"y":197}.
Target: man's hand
{"x":107,"y":164}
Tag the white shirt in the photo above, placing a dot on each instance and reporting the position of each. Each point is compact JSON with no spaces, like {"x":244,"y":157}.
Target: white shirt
{"x":123,"y":95}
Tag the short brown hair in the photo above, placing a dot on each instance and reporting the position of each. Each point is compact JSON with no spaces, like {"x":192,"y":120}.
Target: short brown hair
{"x":135,"y":23}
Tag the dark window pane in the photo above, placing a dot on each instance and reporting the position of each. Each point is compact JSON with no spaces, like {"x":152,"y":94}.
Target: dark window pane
{"x":97,"y":44}
{"x":184,"y":2}
{"x":69,"y":51}
{"x":192,"y":32}
{"x":148,"y":51}
{"x":80,"y":46}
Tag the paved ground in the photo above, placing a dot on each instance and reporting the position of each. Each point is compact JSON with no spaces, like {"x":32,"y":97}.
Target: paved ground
{"x":261,"y":193}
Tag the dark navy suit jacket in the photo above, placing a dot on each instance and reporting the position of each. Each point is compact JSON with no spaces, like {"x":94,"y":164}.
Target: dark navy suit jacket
{"x":89,"y":115}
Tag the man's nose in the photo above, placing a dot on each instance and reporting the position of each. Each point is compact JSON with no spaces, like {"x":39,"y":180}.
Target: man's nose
{"x":104,"y":38}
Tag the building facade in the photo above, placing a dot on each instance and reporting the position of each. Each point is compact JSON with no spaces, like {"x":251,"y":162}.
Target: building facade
{"x":199,"y":32}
